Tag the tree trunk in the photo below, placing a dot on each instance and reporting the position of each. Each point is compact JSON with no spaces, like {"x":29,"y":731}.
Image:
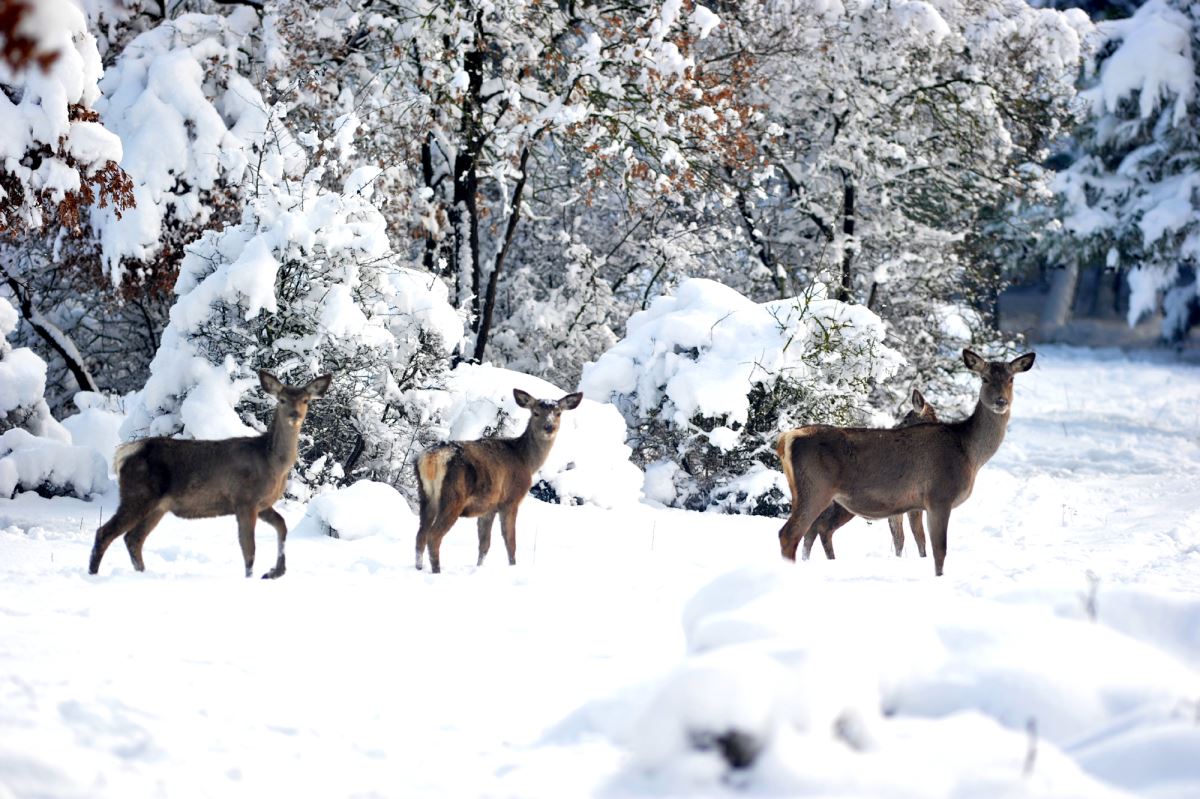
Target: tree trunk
{"x":54,"y":338}
{"x":489,"y":304}
{"x":464,"y":210}
{"x":847,"y":284}
{"x":1057,"y":309}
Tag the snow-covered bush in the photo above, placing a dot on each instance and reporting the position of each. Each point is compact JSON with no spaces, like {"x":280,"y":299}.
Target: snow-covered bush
{"x":707,"y":379}
{"x":303,"y":285}
{"x":35,"y":450}
{"x":359,"y":510}
{"x":589,"y":462}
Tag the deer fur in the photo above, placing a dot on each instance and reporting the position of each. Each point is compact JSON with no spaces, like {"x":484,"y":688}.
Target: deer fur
{"x":835,"y":516}
{"x":880,"y":473}
{"x":242,"y":477}
{"x":483,"y":478}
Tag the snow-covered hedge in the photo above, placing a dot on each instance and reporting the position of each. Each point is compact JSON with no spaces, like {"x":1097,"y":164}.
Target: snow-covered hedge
{"x":707,"y":379}
{"x":36,"y":452}
{"x":589,"y":462}
{"x":305,"y":284}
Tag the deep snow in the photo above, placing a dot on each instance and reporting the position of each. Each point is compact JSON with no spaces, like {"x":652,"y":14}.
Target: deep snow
{"x":624,"y":636}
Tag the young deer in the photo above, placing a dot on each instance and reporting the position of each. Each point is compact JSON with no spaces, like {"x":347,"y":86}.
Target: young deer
{"x":485,"y":477}
{"x":835,"y":515}
{"x":880,"y":473}
{"x":242,"y":477}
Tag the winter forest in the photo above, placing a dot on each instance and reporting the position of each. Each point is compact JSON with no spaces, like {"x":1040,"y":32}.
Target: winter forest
{"x":719,"y":221}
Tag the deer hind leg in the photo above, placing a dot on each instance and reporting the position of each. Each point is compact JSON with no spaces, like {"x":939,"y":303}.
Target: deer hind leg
{"x":896,"y":525}
{"x":437,"y":528}
{"x":807,"y":506}
{"x":135,"y":538}
{"x":485,"y":535}
{"x":124,"y":519}
{"x":272,"y":517}
{"x":508,"y":526}
{"x":245,"y":522}
{"x":939,"y":521}
{"x":918,"y":530}
{"x":831,"y":519}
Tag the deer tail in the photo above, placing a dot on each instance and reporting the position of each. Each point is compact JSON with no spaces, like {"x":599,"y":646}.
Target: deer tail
{"x":431,"y":472}
{"x":124,"y":452}
{"x":783,"y":448}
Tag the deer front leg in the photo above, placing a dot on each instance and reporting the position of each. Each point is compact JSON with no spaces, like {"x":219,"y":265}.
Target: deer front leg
{"x":272,"y":517}
{"x":939,"y":521}
{"x":245,"y":522}
{"x":918,"y":530}
{"x":508,"y":526}
{"x":485,"y":535}
{"x":896,"y":525}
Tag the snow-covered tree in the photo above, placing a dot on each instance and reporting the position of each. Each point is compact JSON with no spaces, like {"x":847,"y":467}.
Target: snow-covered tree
{"x":707,"y":379}
{"x":1131,"y":198}
{"x":304,"y":284}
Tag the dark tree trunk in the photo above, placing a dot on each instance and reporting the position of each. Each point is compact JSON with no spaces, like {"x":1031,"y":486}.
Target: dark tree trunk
{"x":847,"y":285}
{"x":464,"y":210}
{"x":489,"y":304}
{"x":54,"y":339}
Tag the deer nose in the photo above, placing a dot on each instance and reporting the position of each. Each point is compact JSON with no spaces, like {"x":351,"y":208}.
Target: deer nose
{"x":550,"y":428}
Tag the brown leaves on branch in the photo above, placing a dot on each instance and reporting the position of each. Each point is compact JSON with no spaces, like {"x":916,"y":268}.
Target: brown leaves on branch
{"x":17,"y":49}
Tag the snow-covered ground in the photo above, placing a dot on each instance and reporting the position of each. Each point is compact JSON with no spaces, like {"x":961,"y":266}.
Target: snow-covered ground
{"x":627,"y":643}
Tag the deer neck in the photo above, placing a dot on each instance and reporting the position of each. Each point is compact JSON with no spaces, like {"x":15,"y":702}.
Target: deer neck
{"x":282,"y":441}
{"x":532,"y":450}
{"x":984,"y":431}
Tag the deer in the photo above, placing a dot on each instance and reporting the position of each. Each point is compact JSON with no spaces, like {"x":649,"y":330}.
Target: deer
{"x":200,"y":479}
{"x":878,"y":473}
{"x":835,"y":516}
{"x":485,"y":477}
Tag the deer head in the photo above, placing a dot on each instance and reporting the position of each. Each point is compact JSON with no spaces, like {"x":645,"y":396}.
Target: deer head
{"x":996,"y":392}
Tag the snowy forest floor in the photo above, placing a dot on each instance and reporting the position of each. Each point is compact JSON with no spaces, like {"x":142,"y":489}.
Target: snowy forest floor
{"x":575,"y":672}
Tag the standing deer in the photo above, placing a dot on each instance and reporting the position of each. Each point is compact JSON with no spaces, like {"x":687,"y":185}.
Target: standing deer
{"x":835,"y":515}
{"x":485,"y":477}
{"x":880,"y":473}
{"x":242,"y":477}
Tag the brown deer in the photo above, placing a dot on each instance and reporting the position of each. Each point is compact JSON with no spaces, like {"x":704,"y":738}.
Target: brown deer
{"x":242,"y":477}
{"x":479,"y":479}
{"x":835,"y":515}
{"x":880,"y":473}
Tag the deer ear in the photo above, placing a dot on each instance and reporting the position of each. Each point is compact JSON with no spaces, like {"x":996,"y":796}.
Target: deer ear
{"x":571,"y":401}
{"x":1022,"y":364}
{"x":974,"y":362}
{"x":270,"y":383}
{"x":318,"y":386}
{"x":918,"y":400}
{"x":524,"y":398}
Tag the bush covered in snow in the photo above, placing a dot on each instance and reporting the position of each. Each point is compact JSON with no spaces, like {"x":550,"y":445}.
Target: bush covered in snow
{"x":36,"y":452}
{"x":589,"y":462}
{"x":303,"y":285}
{"x":707,"y":379}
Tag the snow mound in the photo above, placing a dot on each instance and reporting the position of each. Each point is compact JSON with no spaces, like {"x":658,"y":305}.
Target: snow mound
{"x":360,"y":510}
{"x":33,"y":462}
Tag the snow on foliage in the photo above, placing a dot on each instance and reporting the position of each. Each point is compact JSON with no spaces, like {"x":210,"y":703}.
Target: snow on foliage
{"x":52,"y":150}
{"x":35,"y":450}
{"x":1129,"y":200}
{"x":799,"y":706}
{"x":708,"y":378}
{"x":360,"y":510}
{"x":304,"y":285}
{"x":589,"y":462}
{"x":191,"y":122}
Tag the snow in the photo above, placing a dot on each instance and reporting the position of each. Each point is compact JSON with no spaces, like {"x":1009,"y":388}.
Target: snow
{"x":628,"y":643}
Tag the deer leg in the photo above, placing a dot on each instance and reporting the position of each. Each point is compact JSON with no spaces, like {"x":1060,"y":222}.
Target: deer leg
{"x":245,"y":521}
{"x":896,"y":525}
{"x":485,"y":535}
{"x":831,"y":519}
{"x":939,"y":521}
{"x":918,"y":530}
{"x":437,"y":530}
{"x":122,"y":520}
{"x":508,"y":526}
{"x":137,"y":536}
{"x":272,"y":517}
{"x":807,"y":506}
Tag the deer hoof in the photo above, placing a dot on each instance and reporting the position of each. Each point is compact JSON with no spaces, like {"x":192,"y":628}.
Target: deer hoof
{"x":273,"y":574}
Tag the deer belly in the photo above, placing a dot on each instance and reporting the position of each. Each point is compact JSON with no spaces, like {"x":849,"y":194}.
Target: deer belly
{"x":879,"y":506}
